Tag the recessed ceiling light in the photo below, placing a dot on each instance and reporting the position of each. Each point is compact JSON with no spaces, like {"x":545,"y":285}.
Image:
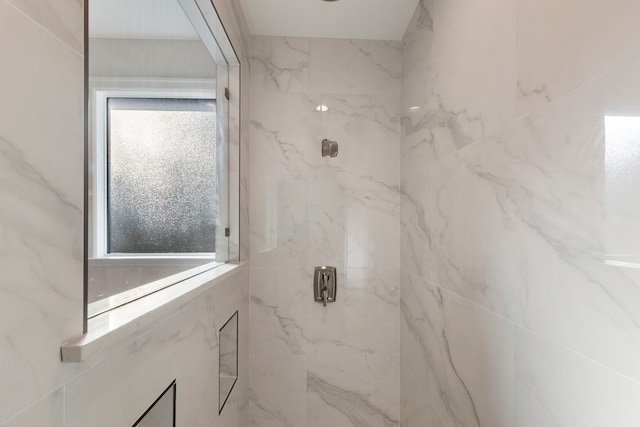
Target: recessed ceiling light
{"x":414,"y":108}
{"x":322,"y":108}
{"x":329,"y":1}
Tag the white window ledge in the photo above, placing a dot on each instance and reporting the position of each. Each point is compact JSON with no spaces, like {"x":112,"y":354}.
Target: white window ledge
{"x":111,"y":329}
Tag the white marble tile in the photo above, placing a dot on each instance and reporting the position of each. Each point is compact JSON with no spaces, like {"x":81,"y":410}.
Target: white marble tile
{"x":63,"y":18}
{"x":462,"y":355}
{"x":41,"y":209}
{"x":414,"y":407}
{"x":327,"y":222}
{"x":467,"y":217}
{"x":367,"y":129}
{"x":416,"y":56}
{"x":373,"y":227}
{"x":273,"y":329}
{"x":285,"y":148}
{"x":301,"y":202}
{"x":183,"y":347}
{"x":353,"y":390}
{"x":414,"y":375}
{"x":582,"y":41}
{"x":461,"y":73}
{"x":308,"y":211}
{"x":120,"y":390}
{"x":354,"y":66}
{"x":280,"y":64}
{"x":285,"y":135}
{"x":278,"y":391}
{"x":233,"y":413}
{"x":286,"y":320}
{"x":364,"y":318}
{"x":41,"y":175}
{"x":556,"y":387}
{"x":521,"y":224}
{"x":415,"y":198}
{"x":47,"y":412}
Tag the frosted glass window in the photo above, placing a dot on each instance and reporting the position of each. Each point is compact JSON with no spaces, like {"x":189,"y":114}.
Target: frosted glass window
{"x":161,"y":175}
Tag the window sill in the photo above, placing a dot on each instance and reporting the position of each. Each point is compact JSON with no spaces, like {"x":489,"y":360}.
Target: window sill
{"x":122,"y":324}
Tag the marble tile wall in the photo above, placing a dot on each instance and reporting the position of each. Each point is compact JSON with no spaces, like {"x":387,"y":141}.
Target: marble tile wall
{"x":519,"y":288}
{"x":311,"y":365}
{"x":41,"y":217}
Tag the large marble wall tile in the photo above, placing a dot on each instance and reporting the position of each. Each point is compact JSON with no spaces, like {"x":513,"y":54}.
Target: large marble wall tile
{"x":278,"y":391}
{"x":280,"y":64}
{"x":120,"y":390}
{"x":41,"y":209}
{"x":536,"y":219}
{"x":416,"y":150}
{"x":462,"y":356}
{"x":308,"y":211}
{"x":286,"y":320}
{"x":414,"y":407}
{"x":353,"y":390}
{"x":364,"y":318}
{"x":416,"y":49}
{"x":64,"y":18}
{"x":48,"y":412}
{"x":373,"y":227}
{"x":415,"y":197}
{"x":463,"y":83}
{"x":327,"y":221}
{"x":279,"y":223}
{"x":354,"y":66}
{"x":570,"y":51}
{"x":285,"y":147}
{"x":415,"y":235}
{"x":414,"y":375}
{"x":185,"y":348}
{"x":285,"y":135}
{"x":274,"y":330}
{"x":521,"y":224}
{"x":474,"y":234}
{"x":559,"y":388}
{"x":367,"y":129}
{"x":41,"y":186}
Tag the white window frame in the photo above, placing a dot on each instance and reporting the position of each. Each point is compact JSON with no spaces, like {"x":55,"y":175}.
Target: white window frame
{"x":99,"y":206}
{"x":101,"y":90}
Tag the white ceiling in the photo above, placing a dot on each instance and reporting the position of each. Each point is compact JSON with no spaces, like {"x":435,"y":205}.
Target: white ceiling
{"x":353,"y":19}
{"x":139,"y":19}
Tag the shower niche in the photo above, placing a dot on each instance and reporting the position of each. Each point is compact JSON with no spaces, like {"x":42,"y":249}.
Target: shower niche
{"x":162,"y":412}
{"x":228,"y":359}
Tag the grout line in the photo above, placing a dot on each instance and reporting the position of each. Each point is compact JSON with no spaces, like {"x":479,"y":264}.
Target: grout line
{"x":42,"y":27}
{"x":31,"y":406}
{"x":529,"y":330}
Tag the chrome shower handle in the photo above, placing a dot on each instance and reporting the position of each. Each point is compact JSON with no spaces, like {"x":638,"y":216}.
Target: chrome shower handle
{"x":325,"y":288}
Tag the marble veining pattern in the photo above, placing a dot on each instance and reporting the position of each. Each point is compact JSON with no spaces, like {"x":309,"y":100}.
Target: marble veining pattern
{"x":356,"y":390}
{"x":41,"y":175}
{"x":524,"y":217}
{"x":307,"y":211}
{"x":41,"y":212}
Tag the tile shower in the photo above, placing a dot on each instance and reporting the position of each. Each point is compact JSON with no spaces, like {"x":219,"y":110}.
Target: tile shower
{"x":518,"y":295}
{"x":520,"y":288}
{"x":335,"y":365}
{"x":483,"y":230}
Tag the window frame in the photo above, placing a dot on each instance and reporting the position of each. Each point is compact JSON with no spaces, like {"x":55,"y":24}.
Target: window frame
{"x":100,"y":90}
{"x":99,"y":242}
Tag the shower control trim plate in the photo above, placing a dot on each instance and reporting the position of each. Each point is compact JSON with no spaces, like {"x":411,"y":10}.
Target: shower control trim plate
{"x":325,"y":284}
